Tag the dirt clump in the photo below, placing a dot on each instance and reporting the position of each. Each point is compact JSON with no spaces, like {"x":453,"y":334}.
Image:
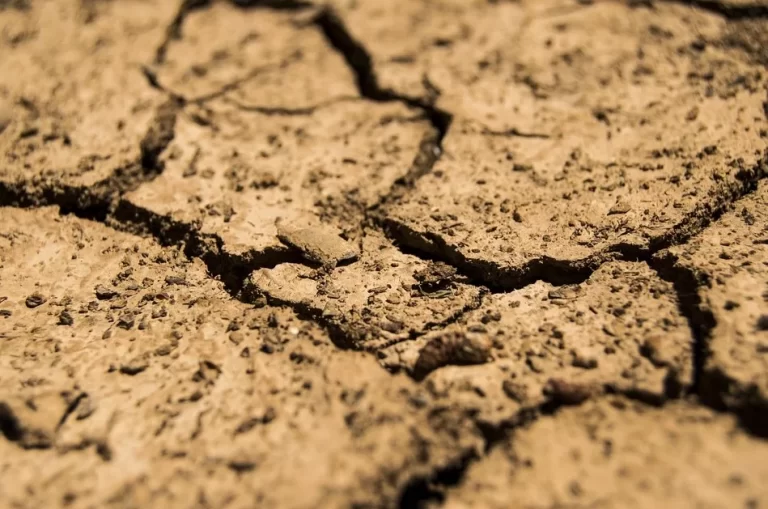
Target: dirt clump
{"x":317,"y":244}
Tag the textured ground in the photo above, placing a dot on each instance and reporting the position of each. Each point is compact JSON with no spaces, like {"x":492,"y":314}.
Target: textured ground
{"x":402,"y":253}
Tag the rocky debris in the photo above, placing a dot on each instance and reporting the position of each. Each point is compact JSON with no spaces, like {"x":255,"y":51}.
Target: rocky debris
{"x":65,"y":318}
{"x":104,"y":293}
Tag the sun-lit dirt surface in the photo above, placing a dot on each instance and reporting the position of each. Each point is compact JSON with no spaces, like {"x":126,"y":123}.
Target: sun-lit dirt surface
{"x":369,"y":253}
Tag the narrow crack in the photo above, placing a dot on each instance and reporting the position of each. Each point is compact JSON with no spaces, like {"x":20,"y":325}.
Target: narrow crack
{"x":500,"y":279}
{"x":713,"y":387}
{"x":359,"y":61}
{"x":70,"y":409}
{"x":514,"y":132}
{"x":160,"y":134}
{"x":281,"y":5}
{"x":281,"y":111}
{"x":430,"y":490}
{"x":730,"y":11}
{"x":346,"y":333}
{"x":174,"y":31}
{"x":355,"y":55}
{"x":238,"y":82}
{"x":232,"y":269}
{"x":686,"y":283}
{"x":154,"y":81}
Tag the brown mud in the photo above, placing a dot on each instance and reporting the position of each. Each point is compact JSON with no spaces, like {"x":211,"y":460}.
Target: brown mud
{"x":433,"y":253}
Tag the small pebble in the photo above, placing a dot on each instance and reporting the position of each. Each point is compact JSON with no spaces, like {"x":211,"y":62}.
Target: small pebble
{"x":65,"y":318}
{"x":35,"y":300}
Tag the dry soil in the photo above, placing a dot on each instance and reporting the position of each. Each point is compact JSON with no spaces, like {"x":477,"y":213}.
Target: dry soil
{"x":384,"y":253}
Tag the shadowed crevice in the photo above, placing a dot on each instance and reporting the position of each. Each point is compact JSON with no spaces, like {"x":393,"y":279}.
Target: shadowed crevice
{"x":713,"y":387}
{"x":282,"y":111}
{"x":230,"y":268}
{"x":498,"y":278}
{"x":174,"y":30}
{"x":421,"y":492}
{"x":280,"y":5}
{"x":360,"y":62}
{"x":431,"y":490}
{"x":730,"y":11}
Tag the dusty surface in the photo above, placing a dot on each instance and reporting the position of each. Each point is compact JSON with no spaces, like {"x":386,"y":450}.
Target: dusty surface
{"x":76,"y":106}
{"x":383,"y":254}
{"x":610,"y":142}
{"x":619,"y":331}
{"x":139,"y":381}
{"x":618,"y":453}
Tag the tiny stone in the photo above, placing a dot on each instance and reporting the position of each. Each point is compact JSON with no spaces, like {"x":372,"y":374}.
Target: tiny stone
{"x":65,"y":318}
{"x":85,"y":409}
{"x":393,"y":299}
{"x":620,"y":207}
{"x":35,"y":300}
{"x":568,"y":393}
{"x":104,"y":293}
{"x":236,"y":337}
{"x":163,"y":350}
{"x":584,"y":360}
{"x":126,"y":321}
{"x":176,"y":280}
{"x":514,"y":391}
{"x":135,"y":365}
{"x":119,"y":304}
{"x":762,"y":322}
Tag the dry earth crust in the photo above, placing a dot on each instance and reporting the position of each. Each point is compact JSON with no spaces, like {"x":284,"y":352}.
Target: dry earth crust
{"x":457,"y":253}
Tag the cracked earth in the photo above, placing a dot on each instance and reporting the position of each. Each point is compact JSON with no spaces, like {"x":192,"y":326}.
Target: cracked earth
{"x":433,"y":253}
